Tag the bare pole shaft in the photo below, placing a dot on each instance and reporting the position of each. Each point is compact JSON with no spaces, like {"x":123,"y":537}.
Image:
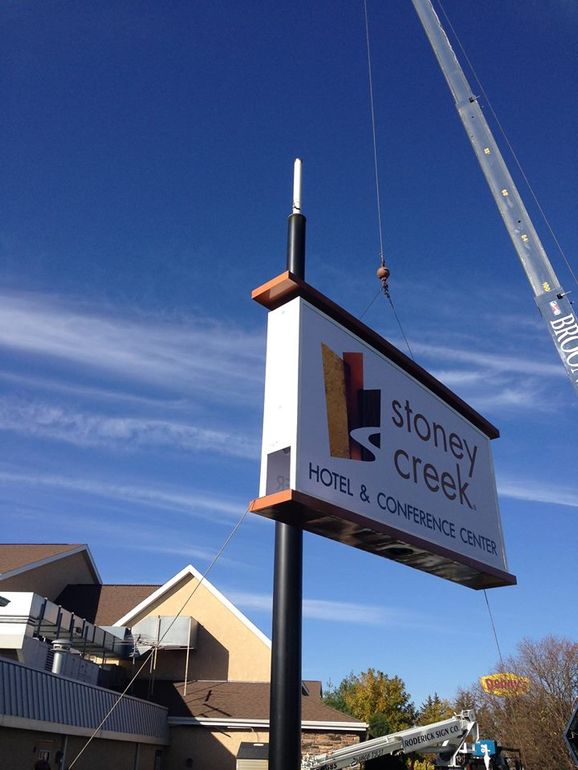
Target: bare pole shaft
{"x":285,"y":714}
{"x":285,"y":704}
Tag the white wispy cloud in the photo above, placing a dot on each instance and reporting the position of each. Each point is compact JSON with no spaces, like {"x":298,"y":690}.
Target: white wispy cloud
{"x":26,"y":381}
{"x":220,"y":510}
{"x":333,"y":611}
{"x":91,"y":430}
{"x":518,"y":396}
{"x":347,"y":612}
{"x":493,"y":390}
{"x":494,"y":362}
{"x":455,"y":377}
{"x":492,"y":381}
{"x":497,"y":369}
{"x":538,"y":492}
{"x":195,"y":355}
{"x":188,"y":552}
{"x":128,"y":534}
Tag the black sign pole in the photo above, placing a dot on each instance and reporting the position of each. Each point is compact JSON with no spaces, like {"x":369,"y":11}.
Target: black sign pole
{"x":285,"y":703}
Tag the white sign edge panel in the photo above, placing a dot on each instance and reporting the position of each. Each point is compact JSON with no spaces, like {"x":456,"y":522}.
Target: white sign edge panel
{"x":280,"y":416}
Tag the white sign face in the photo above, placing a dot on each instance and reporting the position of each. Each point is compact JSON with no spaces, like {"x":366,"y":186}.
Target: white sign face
{"x":345,"y":425}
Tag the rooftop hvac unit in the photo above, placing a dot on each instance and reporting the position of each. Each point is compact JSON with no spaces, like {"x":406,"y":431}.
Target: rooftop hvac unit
{"x":166,"y":632}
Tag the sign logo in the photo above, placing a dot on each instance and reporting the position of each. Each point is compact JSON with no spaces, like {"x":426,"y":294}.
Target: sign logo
{"x":354,"y":424}
{"x":555,"y":307}
{"x":353,"y":413}
{"x":505,"y":685}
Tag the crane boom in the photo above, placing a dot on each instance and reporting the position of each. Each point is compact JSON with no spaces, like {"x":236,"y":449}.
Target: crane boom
{"x":553,"y":303}
{"x":446,"y":736}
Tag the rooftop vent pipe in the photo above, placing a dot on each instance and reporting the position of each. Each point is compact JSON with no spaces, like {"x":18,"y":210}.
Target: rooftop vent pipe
{"x":61,"y":648}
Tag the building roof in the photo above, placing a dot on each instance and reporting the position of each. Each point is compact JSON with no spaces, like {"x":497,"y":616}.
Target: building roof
{"x":17,"y":555}
{"x":103,"y":604}
{"x":230,"y":702}
{"x":20,"y":557}
{"x":187,"y":573}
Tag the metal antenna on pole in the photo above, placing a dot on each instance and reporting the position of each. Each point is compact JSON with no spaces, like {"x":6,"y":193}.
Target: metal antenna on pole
{"x":285,"y":703}
{"x":297,"y":166}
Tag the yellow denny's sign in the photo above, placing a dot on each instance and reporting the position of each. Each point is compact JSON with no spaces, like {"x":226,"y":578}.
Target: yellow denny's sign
{"x":362,"y":445}
{"x":505,"y":685}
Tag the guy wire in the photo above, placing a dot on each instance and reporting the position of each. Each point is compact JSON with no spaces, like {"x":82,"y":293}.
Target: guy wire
{"x":371,"y":303}
{"x":494,"y":629}
{"x":148,"y":657}
{"x":403,"y":334}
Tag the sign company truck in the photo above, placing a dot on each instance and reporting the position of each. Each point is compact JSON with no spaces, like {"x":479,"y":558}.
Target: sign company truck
{"x":362,"y":445}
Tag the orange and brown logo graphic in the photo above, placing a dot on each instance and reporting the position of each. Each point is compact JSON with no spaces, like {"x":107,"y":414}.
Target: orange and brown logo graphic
{"x":353,"y":413}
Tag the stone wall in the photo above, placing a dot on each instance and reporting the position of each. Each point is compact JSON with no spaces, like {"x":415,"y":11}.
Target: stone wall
{"x":321,"y":743}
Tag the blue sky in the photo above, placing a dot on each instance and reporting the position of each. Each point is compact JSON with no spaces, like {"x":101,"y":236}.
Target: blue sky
{"x":147,"y":152}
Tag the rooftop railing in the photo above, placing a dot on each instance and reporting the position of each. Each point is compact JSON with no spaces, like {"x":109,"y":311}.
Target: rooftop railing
{"x":33,"y":699}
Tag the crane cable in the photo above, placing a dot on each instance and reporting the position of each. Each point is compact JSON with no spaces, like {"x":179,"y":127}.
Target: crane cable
{"x":385,"y":287}
{"x":150,"y":654}
{"x":466,"y":57}
{"x":383,"y":271}
{"x":510,"y":147}
{"x":494,"y":630}
{"x":373,"y":134}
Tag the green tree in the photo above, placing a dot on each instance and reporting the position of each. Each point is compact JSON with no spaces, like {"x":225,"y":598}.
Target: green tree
{"x":434,"y":709}
{"x":376,"y":698}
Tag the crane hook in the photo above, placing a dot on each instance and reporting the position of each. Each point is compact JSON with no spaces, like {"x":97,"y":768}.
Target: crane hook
{"x":383,"y":275}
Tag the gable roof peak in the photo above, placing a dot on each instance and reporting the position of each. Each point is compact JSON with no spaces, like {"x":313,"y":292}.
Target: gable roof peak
{"x":16,"y":558}
{"x":190,"y":571}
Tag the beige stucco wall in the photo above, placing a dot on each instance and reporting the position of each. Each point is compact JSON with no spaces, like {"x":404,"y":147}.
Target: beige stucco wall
{"x":51,"y":579}
{"x":227,"y":647}
{"x":218,"y":750}
{"x":19,"y":750}
{"x":208,"y":750}
{"x":112,"y":755}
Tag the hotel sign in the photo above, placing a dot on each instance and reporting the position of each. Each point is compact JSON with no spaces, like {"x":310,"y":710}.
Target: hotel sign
{"x":361,"y":445}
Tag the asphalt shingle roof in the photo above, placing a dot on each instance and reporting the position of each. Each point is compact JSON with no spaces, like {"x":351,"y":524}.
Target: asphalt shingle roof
{"x":18,"y":555}
{"x":103,"y":604}
{"x":238,"y":700}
